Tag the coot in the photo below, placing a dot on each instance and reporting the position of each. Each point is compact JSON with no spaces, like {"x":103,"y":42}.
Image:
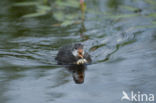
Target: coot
{"x":73,"y":54}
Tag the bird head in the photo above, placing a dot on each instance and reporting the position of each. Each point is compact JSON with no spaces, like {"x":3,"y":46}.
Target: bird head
{"x":78,"y":51}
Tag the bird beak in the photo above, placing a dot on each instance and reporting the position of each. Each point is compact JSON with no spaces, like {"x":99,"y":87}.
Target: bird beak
{"x":80,"y":53}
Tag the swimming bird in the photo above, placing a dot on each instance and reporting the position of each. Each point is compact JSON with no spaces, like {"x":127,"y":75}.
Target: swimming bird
{"x":73,"y":54}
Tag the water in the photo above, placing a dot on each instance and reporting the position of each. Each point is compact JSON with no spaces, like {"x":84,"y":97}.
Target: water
{"x":124,"y":56}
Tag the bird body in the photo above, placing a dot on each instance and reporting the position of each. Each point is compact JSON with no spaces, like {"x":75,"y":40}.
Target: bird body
{"x":73,"y":54}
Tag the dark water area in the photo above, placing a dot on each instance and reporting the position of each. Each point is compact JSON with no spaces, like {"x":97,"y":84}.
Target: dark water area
{"x":123,"y":49}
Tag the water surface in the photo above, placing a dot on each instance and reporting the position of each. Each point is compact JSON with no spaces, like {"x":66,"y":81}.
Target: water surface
{"x":123,"y":50}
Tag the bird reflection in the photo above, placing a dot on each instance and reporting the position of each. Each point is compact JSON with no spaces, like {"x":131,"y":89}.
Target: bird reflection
{"x":78,"y":72}
{"x":75,"y":58}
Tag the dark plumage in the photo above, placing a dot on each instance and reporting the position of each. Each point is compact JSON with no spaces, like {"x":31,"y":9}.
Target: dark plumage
{"x":70,"y":54}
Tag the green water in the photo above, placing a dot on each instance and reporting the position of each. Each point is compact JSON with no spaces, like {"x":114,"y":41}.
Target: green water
{"x":120,"y":36}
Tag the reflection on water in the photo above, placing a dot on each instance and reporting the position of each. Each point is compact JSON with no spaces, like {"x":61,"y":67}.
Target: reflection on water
{"x":78,"y":72}
{"x":122,"y":47}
